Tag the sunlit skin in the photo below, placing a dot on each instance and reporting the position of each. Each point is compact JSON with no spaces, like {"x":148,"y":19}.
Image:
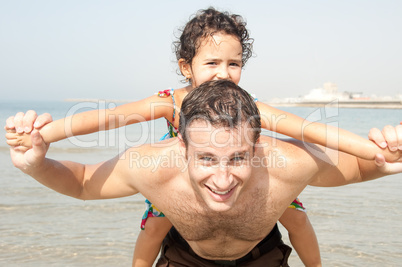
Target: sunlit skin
{"x":219,"y":163}
{"x":218,"y":225}
{"x":218,"y":57}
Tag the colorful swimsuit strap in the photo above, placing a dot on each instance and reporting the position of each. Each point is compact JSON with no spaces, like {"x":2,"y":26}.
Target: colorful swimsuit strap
{"x":166,"y":93}
{"x":254,"y":97}
{"x":172,"y":131}
{"x":174,"y":104}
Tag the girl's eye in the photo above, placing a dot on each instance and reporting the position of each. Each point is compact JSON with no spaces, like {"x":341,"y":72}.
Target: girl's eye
{"x":235,"y":64}
{"x":211,"y":63}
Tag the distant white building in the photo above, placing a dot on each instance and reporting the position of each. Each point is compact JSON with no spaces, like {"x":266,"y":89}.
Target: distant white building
{"x":328,"y":92}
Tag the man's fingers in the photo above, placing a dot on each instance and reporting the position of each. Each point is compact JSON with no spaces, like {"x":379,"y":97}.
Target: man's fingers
{"x":22,"y":122}
{"x":391,"y":137}
{"x":18,"y":118}
{"x":36,"y":155}
{"x":377,"y":137}
{"x":42,"y":120}
{"x":28,"y":120}
{"x":10,"y":124}
{"x":36,"y":139}
{"x":399,"y":135}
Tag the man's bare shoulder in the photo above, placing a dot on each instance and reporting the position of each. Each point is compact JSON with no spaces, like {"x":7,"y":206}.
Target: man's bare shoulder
{"x":155,"y":166}
{"x":290,"y":155}
{"x":164,"y":156}
{"x":285,"y":145}
{"x":171,"y":144}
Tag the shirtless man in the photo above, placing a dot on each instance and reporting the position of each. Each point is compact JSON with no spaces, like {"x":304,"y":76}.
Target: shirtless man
{"x":221,"y":184}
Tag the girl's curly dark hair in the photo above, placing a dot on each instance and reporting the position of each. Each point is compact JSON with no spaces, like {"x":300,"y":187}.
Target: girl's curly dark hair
{"x":206,"y":23}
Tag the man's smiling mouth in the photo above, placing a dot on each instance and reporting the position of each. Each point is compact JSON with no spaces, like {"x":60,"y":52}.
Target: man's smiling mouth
{"x":220,"y":192}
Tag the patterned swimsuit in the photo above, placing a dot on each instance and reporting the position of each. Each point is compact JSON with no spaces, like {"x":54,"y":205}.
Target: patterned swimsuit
{"x":151,"y":210}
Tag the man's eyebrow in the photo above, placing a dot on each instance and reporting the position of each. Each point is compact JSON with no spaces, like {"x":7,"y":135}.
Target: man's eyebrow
{"x":204,"y":153}
{"x":237,"y":153}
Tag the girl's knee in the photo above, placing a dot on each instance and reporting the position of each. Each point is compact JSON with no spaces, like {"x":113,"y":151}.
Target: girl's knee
{"x":301,"y":220}
{"x":157,"y":227}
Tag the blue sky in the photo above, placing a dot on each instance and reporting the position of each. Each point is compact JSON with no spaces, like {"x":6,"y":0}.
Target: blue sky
{"x":53,"y":50}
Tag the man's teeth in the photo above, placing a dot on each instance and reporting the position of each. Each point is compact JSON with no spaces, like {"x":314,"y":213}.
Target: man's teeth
{"x":221,"y":193}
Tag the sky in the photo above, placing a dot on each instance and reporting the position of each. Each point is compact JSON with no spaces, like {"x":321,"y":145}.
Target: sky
{"x":55,"y":50}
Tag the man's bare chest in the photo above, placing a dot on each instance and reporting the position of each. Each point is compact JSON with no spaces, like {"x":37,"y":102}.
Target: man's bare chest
{"x":250,"y":219}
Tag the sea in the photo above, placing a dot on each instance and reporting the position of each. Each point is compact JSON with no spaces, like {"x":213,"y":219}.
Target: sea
{"x":356,"y":225}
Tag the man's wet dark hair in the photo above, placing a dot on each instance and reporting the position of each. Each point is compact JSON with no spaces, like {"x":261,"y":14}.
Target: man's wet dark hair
{"x":221,"y":103}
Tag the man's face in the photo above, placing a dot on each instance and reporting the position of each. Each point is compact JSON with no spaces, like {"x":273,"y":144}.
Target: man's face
{"x":219,"y":163}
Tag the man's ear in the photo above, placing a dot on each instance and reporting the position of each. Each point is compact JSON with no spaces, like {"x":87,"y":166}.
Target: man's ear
{"x":182,"y":145}
{"x":185,"y":68}
{"x":256,"y":145}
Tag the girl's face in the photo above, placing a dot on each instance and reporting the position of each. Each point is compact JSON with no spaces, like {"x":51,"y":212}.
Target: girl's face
{"x":218,"y":57}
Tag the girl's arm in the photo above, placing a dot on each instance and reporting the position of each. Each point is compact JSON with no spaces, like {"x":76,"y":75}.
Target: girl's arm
{"x":313,"y":132}
{"x":151,"y":108}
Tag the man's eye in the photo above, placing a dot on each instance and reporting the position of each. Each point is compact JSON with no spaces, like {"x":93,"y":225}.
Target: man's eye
{"x":238,"y":158}
{"x":206,"y":158}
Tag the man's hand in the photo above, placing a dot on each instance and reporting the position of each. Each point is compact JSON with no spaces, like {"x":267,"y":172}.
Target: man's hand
{"x":32,"y":157}
{"x":20,"y":126}
{"x":390,"y":137}
{"x":23,"y":157}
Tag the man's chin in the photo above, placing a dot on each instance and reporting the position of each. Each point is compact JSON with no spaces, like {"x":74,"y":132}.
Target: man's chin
{"x":219,"y":206}
{"x":220,"y":202}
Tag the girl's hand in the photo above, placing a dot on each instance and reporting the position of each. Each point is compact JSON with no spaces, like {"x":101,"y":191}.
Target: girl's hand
{"x":19,"y":141}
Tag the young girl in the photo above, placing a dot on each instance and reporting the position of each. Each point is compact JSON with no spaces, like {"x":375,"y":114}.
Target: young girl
{"x":213,"y":45}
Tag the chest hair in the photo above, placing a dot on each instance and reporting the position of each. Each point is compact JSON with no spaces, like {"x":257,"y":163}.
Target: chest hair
{"x":251,"y":218}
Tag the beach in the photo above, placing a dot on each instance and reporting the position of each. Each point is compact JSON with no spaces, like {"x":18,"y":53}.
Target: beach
{"x":356,"y":225}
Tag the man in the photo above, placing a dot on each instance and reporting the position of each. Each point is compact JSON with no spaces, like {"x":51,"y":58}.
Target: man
{"x":221,"y":184}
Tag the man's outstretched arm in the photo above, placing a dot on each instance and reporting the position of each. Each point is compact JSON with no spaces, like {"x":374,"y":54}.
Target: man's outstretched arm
{"x":104,"y":180}
{"x":350,"y":169}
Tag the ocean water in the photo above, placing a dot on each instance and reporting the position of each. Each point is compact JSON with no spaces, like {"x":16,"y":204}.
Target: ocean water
{"x":356,"y":225}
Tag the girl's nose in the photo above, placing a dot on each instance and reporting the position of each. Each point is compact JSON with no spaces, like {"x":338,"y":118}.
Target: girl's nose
{"x":222,"y":73}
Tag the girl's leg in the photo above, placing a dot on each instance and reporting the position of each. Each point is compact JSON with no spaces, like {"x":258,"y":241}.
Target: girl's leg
{"x":302,"y":236}
{"x":149,"y":241}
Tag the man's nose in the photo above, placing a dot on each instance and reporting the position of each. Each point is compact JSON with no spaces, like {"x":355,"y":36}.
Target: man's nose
{"x":222,"y":178}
